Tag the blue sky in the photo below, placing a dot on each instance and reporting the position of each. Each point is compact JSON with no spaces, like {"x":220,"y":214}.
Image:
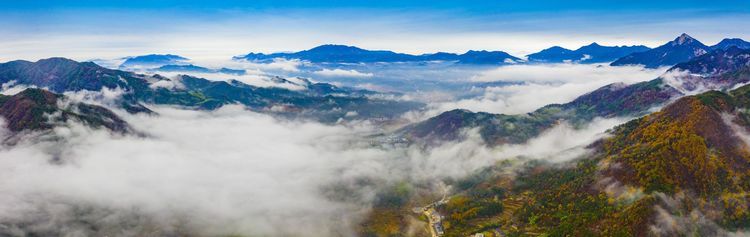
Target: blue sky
{"x":220,"y":29}
{"x":470,"y":5}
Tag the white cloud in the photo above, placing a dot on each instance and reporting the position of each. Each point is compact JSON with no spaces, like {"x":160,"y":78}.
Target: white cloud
{"x":555,"y":144}
{"x":256,"y":74}
{"x":167,"y":84}
{"x":343,"y":73}
{"x":231,"y":171}
{"x":11,"y":88}
{"x":109,"y":63}
{"x":277,"y":64}
{"x":227,"y":171}
{"x":104,"y":97}
{"x":565,"y":72}
{"x":741,"y":133}
{"x":251,"y":78}
{"x":533,"y":86}
{"x":675,"y":217}
{"x":692,"y":84}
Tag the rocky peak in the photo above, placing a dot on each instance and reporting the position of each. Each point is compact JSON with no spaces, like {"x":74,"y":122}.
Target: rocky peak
{"x":683,"y":39}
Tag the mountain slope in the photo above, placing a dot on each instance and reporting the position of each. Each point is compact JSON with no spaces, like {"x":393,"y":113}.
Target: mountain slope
{"x":61,"y":74}
{"x":689,"y":145}
{"x":593,"y":53}
{"x":717,"y":61}
{"x":37,"y":109}
{"x":681,"y":49}
{"x":682,"y":171}
{"x":609,"y":101}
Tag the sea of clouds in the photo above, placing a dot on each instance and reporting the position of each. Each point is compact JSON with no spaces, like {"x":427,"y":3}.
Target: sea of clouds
{"x":229,"y":171}
{"x":234,"y":171}
{"x":533,"y":86}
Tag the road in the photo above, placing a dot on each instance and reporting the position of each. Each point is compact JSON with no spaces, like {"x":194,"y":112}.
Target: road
{"x":435,"y":219}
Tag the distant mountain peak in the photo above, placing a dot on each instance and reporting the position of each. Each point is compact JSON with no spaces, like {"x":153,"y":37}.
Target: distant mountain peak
{"x":554,"y":50}
{"x":592,"y":53}
{"x":557,"y":48}
{"x":684,"y":39}
{"x":593,"y":46}
{"x":336,"y":47}
{"x":152,"y":61}
{"x":56,"y":60}
{"x":681,"y":49}
{"x":732,"y":42}
{"x":334,"y":53}
{"x":159,"y":56}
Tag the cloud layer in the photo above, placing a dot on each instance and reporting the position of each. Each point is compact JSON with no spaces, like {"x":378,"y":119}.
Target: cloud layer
{"x":343,"y":73}
{"x":230,"y":171}
{"x":539,"y":85}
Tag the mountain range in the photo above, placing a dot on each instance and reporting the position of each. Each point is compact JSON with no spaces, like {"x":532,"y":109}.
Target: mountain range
{"x":593,"y":53}
{"x":170,"y":63}
{"x":681,"y":49}
{"x":349,"y":54}
{"x":721,"y":70}
{"x":60,"y":75}
{"x":320,"y":101}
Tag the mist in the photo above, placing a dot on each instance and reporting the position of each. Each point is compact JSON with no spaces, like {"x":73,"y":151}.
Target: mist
{"x":231,"y":171}
{"x":533,"y":86}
